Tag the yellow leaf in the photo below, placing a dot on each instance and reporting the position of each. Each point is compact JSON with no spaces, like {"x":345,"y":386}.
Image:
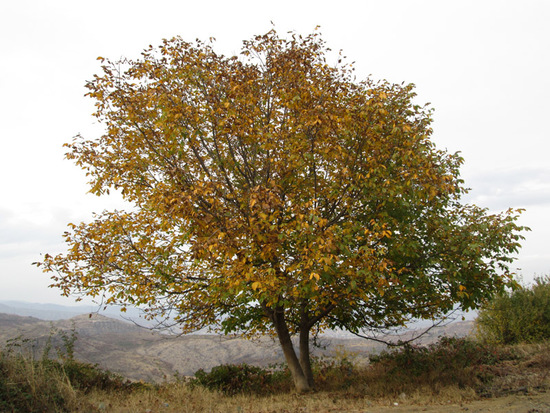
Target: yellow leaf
{"x":314,"y":275}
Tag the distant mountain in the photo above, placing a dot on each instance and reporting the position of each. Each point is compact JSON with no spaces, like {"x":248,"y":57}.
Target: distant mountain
{"x":61,"y":312}
{"x":42,"y":311}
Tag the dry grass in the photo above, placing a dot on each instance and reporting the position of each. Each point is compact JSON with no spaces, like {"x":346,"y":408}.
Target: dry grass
{"x":180,"y":398}
{"x":29,"y":386}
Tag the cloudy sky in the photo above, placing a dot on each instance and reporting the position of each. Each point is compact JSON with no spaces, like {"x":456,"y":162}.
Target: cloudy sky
{"x":484,"y":65}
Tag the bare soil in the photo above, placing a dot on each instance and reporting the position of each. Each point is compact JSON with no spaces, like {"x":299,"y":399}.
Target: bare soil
{"x":524,"y":403}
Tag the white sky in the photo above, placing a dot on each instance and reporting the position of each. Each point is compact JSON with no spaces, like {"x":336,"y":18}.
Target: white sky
{"x":484,"y":66}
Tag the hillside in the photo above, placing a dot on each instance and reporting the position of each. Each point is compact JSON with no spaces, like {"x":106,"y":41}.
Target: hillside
{"x":141,"y":354}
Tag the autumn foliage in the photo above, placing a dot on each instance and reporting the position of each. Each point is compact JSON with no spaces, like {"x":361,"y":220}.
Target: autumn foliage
{"x":272,"y":192}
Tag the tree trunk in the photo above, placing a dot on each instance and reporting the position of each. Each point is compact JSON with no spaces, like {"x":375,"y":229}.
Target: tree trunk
{"x":305,"y":360}
{"x":301,"y":381}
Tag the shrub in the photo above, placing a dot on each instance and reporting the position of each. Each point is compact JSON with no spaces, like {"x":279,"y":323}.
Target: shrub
{"x":32,"y":386}
{"x":335,"y":373}
{"x":242,"y":378}
{"x":520,"y":316}
{"x":447,"y":353}
{"x":450,"y":361}
{"x":86,"y":376}
{"x":45,"y":384}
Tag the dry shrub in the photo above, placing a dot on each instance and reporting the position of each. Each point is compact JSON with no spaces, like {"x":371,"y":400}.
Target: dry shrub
{"x":451,"y":362}
{"x":528,"y":372}
{"x":33,"y":386}
{"x":45,"y":384}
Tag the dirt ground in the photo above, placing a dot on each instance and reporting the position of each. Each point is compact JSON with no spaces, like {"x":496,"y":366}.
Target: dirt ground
{"x":529,"y":403}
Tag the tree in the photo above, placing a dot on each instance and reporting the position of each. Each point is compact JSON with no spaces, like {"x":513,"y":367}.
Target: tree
{"x":273,"y":193}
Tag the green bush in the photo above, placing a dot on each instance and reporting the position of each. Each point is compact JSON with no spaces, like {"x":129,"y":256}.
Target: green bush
{"x":241,"y":378}
{"x":520,"y":316}
{"x":86,"y":376}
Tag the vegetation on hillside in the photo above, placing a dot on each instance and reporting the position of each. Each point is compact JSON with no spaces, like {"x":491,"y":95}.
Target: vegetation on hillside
{"x":453,"y":369}
{"x":50,"y":384}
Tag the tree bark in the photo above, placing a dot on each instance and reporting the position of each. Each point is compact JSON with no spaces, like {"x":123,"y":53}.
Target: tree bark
{"x":305,"y":360}
{"x":301,"y":381}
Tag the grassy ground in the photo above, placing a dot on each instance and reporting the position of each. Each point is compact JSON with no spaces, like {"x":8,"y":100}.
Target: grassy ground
{"x":451,"y":374}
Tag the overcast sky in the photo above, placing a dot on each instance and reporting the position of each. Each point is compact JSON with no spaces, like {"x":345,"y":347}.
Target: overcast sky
{"x":483,"y":65}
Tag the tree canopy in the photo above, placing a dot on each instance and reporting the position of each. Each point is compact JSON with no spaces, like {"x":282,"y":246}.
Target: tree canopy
{"x":272,"y":192}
